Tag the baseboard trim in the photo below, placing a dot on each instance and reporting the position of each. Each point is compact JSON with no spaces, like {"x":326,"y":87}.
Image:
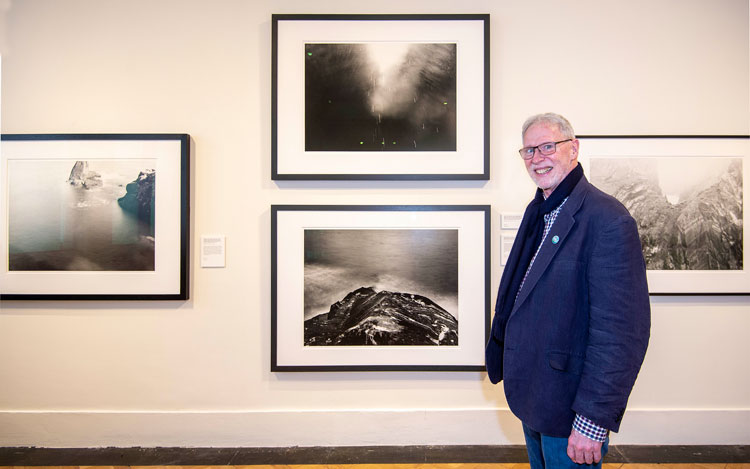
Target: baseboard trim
{"x":343,"y":428}
{"x":34,"y":456}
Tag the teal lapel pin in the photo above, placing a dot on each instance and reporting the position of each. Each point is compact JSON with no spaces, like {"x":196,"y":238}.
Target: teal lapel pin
{"x":555,"y":239}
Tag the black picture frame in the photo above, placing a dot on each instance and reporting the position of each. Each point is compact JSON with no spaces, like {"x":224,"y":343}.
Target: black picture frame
{"x":341,"y":136}
{"x":303,"y":274}
{"x":690,"y":189}
{"x":145,"y":265}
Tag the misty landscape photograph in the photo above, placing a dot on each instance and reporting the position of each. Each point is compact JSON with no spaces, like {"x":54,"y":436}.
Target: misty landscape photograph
{"x":75,"y":215}
{"x":380,"y":287}
{"x":380,"y":96}
{"x":688,"y":209}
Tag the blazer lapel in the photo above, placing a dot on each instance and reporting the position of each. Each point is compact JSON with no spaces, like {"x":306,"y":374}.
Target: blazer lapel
{"x":560,"y":229}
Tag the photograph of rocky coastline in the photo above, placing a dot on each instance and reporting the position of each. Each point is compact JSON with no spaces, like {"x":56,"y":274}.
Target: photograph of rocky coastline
{"x":376,"y":287}
{"x":689,"y":210}
{"x":94,"y":215}
{"x":384,"y":96}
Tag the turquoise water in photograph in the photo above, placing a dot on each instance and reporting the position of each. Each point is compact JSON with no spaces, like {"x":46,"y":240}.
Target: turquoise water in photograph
{"x":54,"y":225}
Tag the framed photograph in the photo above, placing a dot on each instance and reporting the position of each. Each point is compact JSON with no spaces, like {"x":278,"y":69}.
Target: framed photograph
{"x":94,"y":216}
{"x":687,"y":197}
{"x":380,"y":97}
{"x":378,"y":288}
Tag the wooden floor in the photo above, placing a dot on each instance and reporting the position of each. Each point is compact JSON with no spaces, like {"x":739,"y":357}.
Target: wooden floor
{"x":397,"y":466}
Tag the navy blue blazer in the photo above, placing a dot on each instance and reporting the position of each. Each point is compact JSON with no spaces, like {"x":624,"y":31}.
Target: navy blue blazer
{"x":577,"y":334}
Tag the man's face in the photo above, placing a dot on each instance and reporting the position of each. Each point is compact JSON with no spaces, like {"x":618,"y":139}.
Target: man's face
{"x":548,"y":171}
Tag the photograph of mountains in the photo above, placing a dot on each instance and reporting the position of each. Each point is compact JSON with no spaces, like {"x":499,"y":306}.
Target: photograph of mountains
{"x":380,"y":96}
{"x":73,"y":215}
{"x":377,"y":287}
{"x":688,"y":209}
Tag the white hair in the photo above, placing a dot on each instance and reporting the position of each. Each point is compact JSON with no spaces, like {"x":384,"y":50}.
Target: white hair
{"x":550,"y":118}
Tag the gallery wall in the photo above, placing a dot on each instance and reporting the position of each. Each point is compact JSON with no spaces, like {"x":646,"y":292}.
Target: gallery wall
{"x":197,"y":372}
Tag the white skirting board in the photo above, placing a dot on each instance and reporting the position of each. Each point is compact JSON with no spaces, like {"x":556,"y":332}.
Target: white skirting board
{"x":91,"y":429}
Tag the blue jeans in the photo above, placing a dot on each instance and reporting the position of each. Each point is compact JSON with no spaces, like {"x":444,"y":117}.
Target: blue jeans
{"x":551,"y":452}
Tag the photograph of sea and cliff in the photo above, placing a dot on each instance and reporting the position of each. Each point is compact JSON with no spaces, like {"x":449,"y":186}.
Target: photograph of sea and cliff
{"x":380,"y":96}
{"x":688,"y":209}
{"x":379,"y":287}
{"x":68,"y":215}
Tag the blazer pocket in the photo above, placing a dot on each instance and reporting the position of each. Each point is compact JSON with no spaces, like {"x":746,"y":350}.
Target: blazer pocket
{"x":558,"y":360}
{"x":564,"y":361}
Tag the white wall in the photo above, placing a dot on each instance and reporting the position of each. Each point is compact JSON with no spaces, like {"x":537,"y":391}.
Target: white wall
{"x":197,"y":373}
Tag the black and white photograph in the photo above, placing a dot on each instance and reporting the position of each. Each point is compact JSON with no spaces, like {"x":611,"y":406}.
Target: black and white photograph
{"x":688,"y":210}
{"x":380,"y":96}
{"x":687,"y":196}
{"x":381,"y":287}
{"x":81,"y":215}
{"x":94,"y":216}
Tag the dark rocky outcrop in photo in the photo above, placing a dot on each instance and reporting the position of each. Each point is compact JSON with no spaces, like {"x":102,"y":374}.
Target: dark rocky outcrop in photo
{"x":368,"y":317}
{"x":140,"y":196}
{"x":81,"y":176}
{"x":703,"y":231}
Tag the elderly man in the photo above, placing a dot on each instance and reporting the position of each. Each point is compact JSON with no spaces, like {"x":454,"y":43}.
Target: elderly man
{"x":572,"y":317}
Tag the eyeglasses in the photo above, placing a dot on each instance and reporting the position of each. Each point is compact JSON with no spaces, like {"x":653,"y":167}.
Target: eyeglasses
{"x":545,"y":149}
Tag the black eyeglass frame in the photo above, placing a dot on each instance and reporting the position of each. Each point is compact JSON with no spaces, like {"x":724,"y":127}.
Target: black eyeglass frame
{"x":527,"y":156}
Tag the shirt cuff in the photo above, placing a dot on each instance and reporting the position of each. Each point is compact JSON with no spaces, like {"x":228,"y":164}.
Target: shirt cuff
{"x":589,"y":429}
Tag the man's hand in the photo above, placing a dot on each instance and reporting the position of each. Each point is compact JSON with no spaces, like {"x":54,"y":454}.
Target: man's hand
{"x":583,"y":450}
